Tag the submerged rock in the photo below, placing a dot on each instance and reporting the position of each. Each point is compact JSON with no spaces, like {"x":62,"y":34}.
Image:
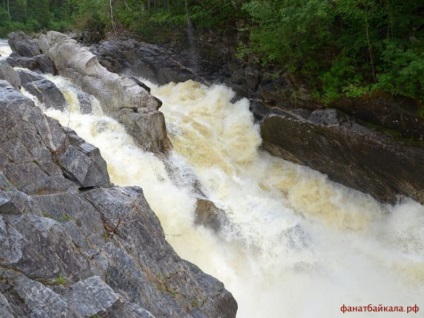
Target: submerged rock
{"x":72,"y":245}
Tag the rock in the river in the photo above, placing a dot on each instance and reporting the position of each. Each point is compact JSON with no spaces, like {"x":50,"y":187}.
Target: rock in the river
{"x":27,"y":54}
{"x":72,"y":245}
{"x":47,"y":93}
{"x":117,"y":94}
{"x":9,"y":74}
{"x":23,"y":45}
{"x":208,"y":215}
{"x":39,"y":63}
{"x":348,"y":152}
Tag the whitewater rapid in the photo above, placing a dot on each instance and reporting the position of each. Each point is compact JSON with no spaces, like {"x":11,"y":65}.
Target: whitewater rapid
{"x":5,"y":49}
{"x":295,"y":244}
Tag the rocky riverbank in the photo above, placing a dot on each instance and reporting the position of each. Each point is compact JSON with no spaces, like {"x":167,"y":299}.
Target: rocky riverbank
{"x":71,"y":243}
{"x":374,"y":145}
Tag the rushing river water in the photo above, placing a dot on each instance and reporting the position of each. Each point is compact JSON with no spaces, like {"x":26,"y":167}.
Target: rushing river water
{"x":295,"y":244}
{"x":5,"y":50}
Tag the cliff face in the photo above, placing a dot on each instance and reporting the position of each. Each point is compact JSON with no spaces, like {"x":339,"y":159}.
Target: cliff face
{"x":74,"y":245}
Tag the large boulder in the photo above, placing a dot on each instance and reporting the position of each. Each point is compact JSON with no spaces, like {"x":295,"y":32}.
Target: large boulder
{"x":72,"y":245}
{"x":39,"y":63}
{"x":156,"y":63}
{"x":348,"y":152}
{"x":27,"y":54}
{"x":47,"y":93}
{"x":9,"y":74}
{"x":117,"y":94}
{"x":22,"y":44}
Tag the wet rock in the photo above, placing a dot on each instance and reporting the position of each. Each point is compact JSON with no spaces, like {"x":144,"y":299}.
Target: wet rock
{"x":86,"y":103}
{"x":149,"y":127}
{"x":73,"y":246}
{"x":47,"y":93}
{"x":348,"y":152}
{"x":27,"y":76}
{"x":22,"y":44}
{"x":9,"y":74}
{"x":113,"y":91}
{"x":208,"y":215}
{"x":39,"y":63}
{"x":126,"y":213}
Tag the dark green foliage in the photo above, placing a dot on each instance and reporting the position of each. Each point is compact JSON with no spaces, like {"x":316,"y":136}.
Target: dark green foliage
{"x":34,"y":15}
{"x":339,"y":48}
{"x":344,"y":47}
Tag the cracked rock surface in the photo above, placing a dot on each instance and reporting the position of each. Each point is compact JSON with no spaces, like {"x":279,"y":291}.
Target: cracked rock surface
{"x":74,"y":245}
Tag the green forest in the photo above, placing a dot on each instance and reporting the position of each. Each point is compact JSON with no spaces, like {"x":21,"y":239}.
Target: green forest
{"x":338,"y":47}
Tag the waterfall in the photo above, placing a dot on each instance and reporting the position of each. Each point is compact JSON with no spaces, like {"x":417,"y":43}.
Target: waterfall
{"x":295,"y":244}
{"x":5,"y":50}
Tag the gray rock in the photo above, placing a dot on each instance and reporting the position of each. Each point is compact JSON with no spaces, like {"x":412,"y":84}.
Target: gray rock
{"x":78,"y":248}
{"x":41,"y":300}
{"x":27,"y":145}
{"x":130,"y":310}
{"x":10,"y":243}
{"x":208,"y":215}
{"x":39,"y":63}
{"x":47,"y":249}
{"x":47,"y":93}
{"x":348,"y":152}
{"x":150,"y":129}
{"x":27,"y":76}
{"x":6,"y":310}
{"x":84,"y":165}
{"x":22,"y":44}
{"x":113,"y":91}
{"x":92,"y":296}
{"x":131,"y":223}
{"x":9,"y":74}
{"x":6,"y":204}
{"x":76,"y":215}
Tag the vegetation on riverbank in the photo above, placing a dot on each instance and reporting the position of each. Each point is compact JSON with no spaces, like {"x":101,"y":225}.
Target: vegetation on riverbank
{"x":337,"y":47}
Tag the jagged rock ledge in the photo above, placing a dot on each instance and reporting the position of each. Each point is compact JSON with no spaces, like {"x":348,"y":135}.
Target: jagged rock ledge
{"x":74,"y":245}
{"x":336,"y":144}
{"x":122,"y":97}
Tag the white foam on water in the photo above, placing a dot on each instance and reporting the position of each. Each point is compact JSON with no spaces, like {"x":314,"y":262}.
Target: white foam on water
{"x":295,"y":244}
{"x":5,"y":49}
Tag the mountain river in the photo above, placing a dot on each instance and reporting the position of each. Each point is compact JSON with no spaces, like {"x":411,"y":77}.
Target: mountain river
{"x":294,"y":243}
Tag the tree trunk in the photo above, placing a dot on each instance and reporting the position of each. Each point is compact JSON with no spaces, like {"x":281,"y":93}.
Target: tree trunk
{"x":112,"y":19}
{"x":8,"y":10}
